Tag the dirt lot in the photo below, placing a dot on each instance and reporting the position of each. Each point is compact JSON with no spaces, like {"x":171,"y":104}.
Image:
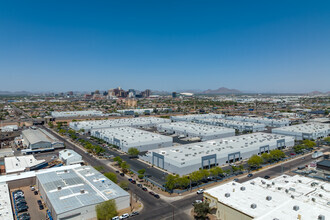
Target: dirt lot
{"x":31,"y":201}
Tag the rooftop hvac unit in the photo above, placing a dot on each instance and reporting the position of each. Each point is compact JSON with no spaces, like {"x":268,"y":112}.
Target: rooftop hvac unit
{"x":292,"y":196}
{"x":286,"y":190}
{"x":82,"y":191}
{"x":227,"y":195}
{"x":242,"y":188}
{"x":296,"y":208}
{"x":59,"y":187}
{"x":313,"y":199}
{"x":268,"y":198}
{"x":321,"y":217}
{"x":253,"y":206}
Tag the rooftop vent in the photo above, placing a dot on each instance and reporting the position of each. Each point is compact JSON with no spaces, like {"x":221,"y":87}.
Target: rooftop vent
{"x":253,"y":206}
{"x":292,"y":196}
{"x":321,"y":217}
{"x":227,"y":195}
{"x":242,"y":188}
{"x":313,"y":199}
{"x":268,"y":198}
{"x":59,"y":187}
{"x":296,"y":208}
{"x":82,"y":191}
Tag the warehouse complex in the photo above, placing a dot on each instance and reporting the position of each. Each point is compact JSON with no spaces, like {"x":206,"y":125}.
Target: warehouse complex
{"x":185,"y":159}
{"x":305,"y":131}
{"x":20,"y":163}
{"x":125,"y":122}
{"x":70,"y":157}
{"x":284,"y":197}
{"x":266,"y":121}
{"x":192,"y":118}
{"x":77,"y":114}
{"x":36,"y":140}
{"x":9,"y":128}
{"x":127,"y":137}
{"x":74,"y":193}
{"x":5,"y":203}
{"x":237,"y":125}
{"x":204,"y":132}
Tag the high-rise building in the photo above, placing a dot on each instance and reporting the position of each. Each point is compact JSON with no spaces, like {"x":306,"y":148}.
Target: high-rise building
{"x":147,"y":92}
{"x":173,"y":94}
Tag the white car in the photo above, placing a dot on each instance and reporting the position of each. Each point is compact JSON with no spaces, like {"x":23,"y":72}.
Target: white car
{"x":124,"y":216}
{"x":200,"y":191}
{"x":115,"y":218}
{"x":197,"y":201}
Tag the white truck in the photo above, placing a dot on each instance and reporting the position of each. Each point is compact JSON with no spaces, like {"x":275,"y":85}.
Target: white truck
{"x":317,"y":154}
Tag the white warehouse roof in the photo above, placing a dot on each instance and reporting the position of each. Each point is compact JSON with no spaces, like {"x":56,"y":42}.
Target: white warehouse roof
{"x":20,"y":163}
{"x":196,"y":117}
{"x":5,"y":203}
{"x":77,"y":113}
{"x":240,"y":125}
{"x":266,"y":121}
{"x":276,"y":198}
{"x":133,"y":122}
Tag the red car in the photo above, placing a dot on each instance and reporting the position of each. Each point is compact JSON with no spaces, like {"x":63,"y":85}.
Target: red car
{"x":292,"y":154}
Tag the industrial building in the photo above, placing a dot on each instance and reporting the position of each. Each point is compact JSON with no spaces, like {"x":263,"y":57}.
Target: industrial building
{"x":188,"y":129}
{"x":6,"y":212}
{"x":70,"y":157}
{"x":36,"y":140}
{"x":185,"y":159}
{"x":127,"y":137}
{"x":74,"y":193}
{"x":305,"y":131}
{"x":141,"y":111}
{"x":77,"y":114}
{"x":192,"y":118}
{"x":284,"y":197}
{"x":20,"y":163}
{"x":6,"y":152}
{"x":9,"y":128}
{"x":125,"y":122}
{"x":237,"y":125}
{"x":266,"y":121}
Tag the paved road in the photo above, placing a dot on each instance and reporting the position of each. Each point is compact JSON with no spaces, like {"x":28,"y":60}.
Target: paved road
{"x":153,"y":208}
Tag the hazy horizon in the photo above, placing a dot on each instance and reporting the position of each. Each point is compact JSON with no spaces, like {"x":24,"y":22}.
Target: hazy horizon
{"x":259,"y":46}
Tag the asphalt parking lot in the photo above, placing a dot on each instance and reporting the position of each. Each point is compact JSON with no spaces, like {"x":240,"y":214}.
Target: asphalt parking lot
{"x":32,"y":203}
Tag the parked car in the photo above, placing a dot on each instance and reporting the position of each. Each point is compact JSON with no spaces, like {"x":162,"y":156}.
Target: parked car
{"x":139,"y":185}
{"x":39,"y":202}
{"x":24,"y":216}
{"x":124,"y":216}
{"x":41,"y":207}
{"x":267,"y":177}
{"x":200,"y":191}
{"x":156,"y":196}
{"x":197,"y":201}
{"x":133,"y":181}
{"x":134,"y":213}
{"x":117,"y":171}
{"x":22,"y":208}
{"x":236,"y":180}
{"x":292,"y":154}
{"x":151,"y":193}
{"x":36,"y":192}
{"x":115,"y":218}
{"x":122,"y":174}
{"x":250,"y":175}
{"x":144,"y":189}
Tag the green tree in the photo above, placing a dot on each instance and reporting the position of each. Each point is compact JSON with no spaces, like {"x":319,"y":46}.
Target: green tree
{"x":133,"y":151}
{"x":118,"y":160}
{"x":201,"y":210}
{"x":240,"y":167}
{"x":309,"y":143}
{"x":50,"y":124}
{"x":171,"y":181}
{"x":216,"y":171}
{"x":124,"y":185}
{"x":266,"y":157}
{"x":183,"y":181}
{"x":196,"y":176}
{"x":124,"y":166}
{"x":111,"y":176}
{"x":298,"y":149}
{"x":254,"y":161}
{"x":99,"y":168}
{"x":234,"y":169}
{"x":106,"y":210}
{"x":276,"y":154}
{"x":327,"y":139}
{"x":61,"y":131}
{"x":142,"y":171}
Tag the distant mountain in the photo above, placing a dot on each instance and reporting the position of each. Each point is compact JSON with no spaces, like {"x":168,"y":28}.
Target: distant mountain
{"x":222,"y":90}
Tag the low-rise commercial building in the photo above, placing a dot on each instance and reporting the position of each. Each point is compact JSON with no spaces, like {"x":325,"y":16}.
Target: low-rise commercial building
{"x":204,"y":132}
{"x":39,"y":140}
{"x":6,"y":152}
{"x":185,"y":159}
{"x":77,"y":114}
{"x":20,"y":163}
{"x":240,"y":126}
{"x":9,"y":128}
{"x":70,"y":157}
{"x":305,"y":131}
{"x":125,"y":122}
{"x":266,"y":121}
{"x":127,"y":137}
{"x":192,"y":118}
{"x":74,"y":193}
{"x":6,"y":212}
{"x":283,"y":197}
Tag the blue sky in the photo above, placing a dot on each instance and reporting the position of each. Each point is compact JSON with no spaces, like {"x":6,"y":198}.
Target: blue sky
{"x":256,"y":46}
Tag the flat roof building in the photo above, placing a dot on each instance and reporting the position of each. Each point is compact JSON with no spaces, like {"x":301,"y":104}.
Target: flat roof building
{"x":125,"y":122}
{"x":74,"y":193}
{"x":305,"y":131}
{"x":266,"y":121}
{"x":204,"y":132}
{"x":283,"y":197}
{"x":20,"y":163}
{"x":77,"y":114}
{"x":9,"y":128}
{"x":39,"y":139}
{"x":192,"y":118}
{"x":185,"y":159}
{"x":5,"y":203}
{"x":127,"y":137}
{"x":70,"y":157}
{"x":237,"y":125}
{"x":6,"y":152}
